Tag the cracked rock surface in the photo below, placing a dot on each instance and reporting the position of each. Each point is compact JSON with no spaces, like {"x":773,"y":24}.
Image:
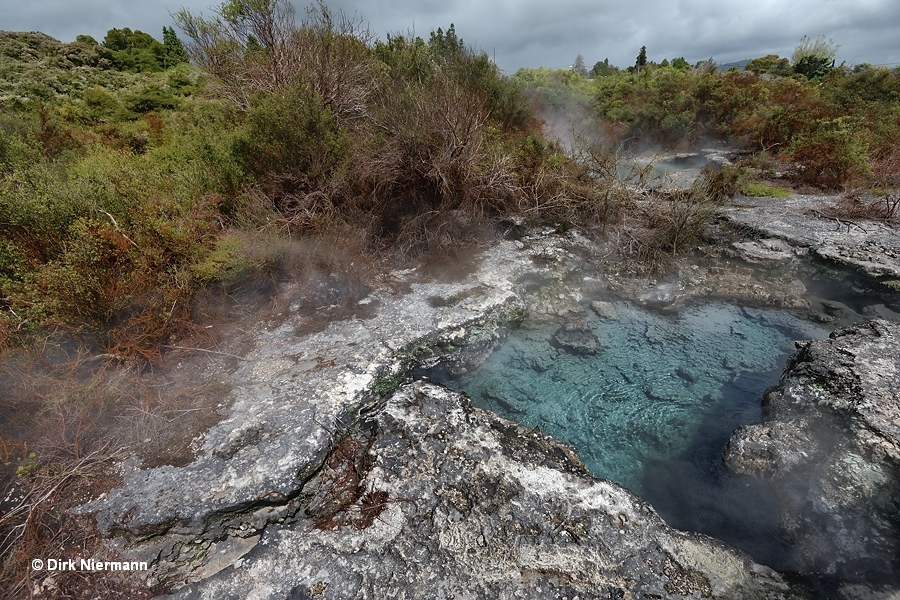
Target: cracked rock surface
{"x":293,"y":398}
{"x":454,"y":502}
{"x":871,"y":246}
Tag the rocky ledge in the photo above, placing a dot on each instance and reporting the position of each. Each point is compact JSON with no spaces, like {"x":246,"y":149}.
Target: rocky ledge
{"x":432,"y":498}
{"x":871,"y":246}
{"x":325,"y":481}
{"x":830,"y":444}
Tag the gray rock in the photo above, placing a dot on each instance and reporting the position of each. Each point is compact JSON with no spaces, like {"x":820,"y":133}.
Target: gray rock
{"x":663,"y":295}
{"x":835,"y":309}
{"x":292,"y":399}
{"x":605,"y":310}
{"x":830,"y":443}
{"x":440,"y":500}
{"x":764,"y":251}
{"x":871,"y":246}
{"x":575,"y":336}
{"x":324,"y":482}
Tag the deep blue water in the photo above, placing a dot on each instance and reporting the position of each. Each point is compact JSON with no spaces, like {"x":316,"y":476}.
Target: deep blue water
{"x":655,"y":406}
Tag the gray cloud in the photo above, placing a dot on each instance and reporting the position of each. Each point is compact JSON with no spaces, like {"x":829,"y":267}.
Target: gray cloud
{"x":541,"y":33}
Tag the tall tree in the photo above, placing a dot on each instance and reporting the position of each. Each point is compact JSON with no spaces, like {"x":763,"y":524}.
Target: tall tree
{"x":173,"y":50}
{"x":604,"y":69}
{"x":641,"y":61}
{"x":134,"y":50}
{"x":579,"y":67}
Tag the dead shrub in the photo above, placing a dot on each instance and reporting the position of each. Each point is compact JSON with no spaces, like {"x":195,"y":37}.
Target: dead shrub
{"x":162,"y":422}
{"x":150,"y":320}
{"x":869,"y":207}
{"x":666,"y":224}
{"x":341,"y":498}
{"x":69,"y":414}
{"x":264,"y":49}
{"x":428,"y":149}
{"x":876,"y":197}
{"x":38,"y":524}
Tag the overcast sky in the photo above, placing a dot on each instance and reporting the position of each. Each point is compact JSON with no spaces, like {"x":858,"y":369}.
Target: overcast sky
{"x":531,"y":33}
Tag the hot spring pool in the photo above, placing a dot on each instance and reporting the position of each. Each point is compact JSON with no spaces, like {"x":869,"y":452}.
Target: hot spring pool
{"x":653,"y":408}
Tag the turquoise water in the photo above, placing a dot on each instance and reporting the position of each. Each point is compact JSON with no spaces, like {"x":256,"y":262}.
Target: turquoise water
{"x":650,"y":389}
{"x":653,"y":408}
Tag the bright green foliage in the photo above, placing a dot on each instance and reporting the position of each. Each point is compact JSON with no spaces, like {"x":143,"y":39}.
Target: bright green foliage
{"x":555,"y":90}
{"x":295,"y":136}
{"x":101,"y":225}
{"x":35,"y":66}
{"x":867,"y":85}
{"x":87,"y":40}
{"x":832,"y":151}
{"x":671,"y":102}
{"x":761,"y":190}
{"x":446,"y":57}
{"x":833,"y":130}
{"x":123,"y":193}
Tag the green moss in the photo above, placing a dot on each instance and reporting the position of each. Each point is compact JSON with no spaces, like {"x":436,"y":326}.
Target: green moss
{"x":387,"y":383}
{"x":761,"y":190}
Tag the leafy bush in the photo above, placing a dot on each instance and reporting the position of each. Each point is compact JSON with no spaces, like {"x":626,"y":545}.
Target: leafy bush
{"x":151,"y":98}
{"x":832,"y":130}
{"x":831,"y":154}
{"x":134,"y":51}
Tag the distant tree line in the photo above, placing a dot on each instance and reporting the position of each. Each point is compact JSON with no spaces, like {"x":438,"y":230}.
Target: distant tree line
{"x":812,"y":59}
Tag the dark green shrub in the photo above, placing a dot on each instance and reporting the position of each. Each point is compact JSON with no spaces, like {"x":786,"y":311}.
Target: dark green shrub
{"x":868,"y":85}
{"x":134,"y":51}
{"x":151,"y":98}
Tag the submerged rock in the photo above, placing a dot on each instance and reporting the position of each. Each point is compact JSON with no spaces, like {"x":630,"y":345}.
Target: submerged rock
{"x":663,"y":295}
{"x":575,"y":336}
{"x":448,"y":501}
{"x":830,"y":444}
